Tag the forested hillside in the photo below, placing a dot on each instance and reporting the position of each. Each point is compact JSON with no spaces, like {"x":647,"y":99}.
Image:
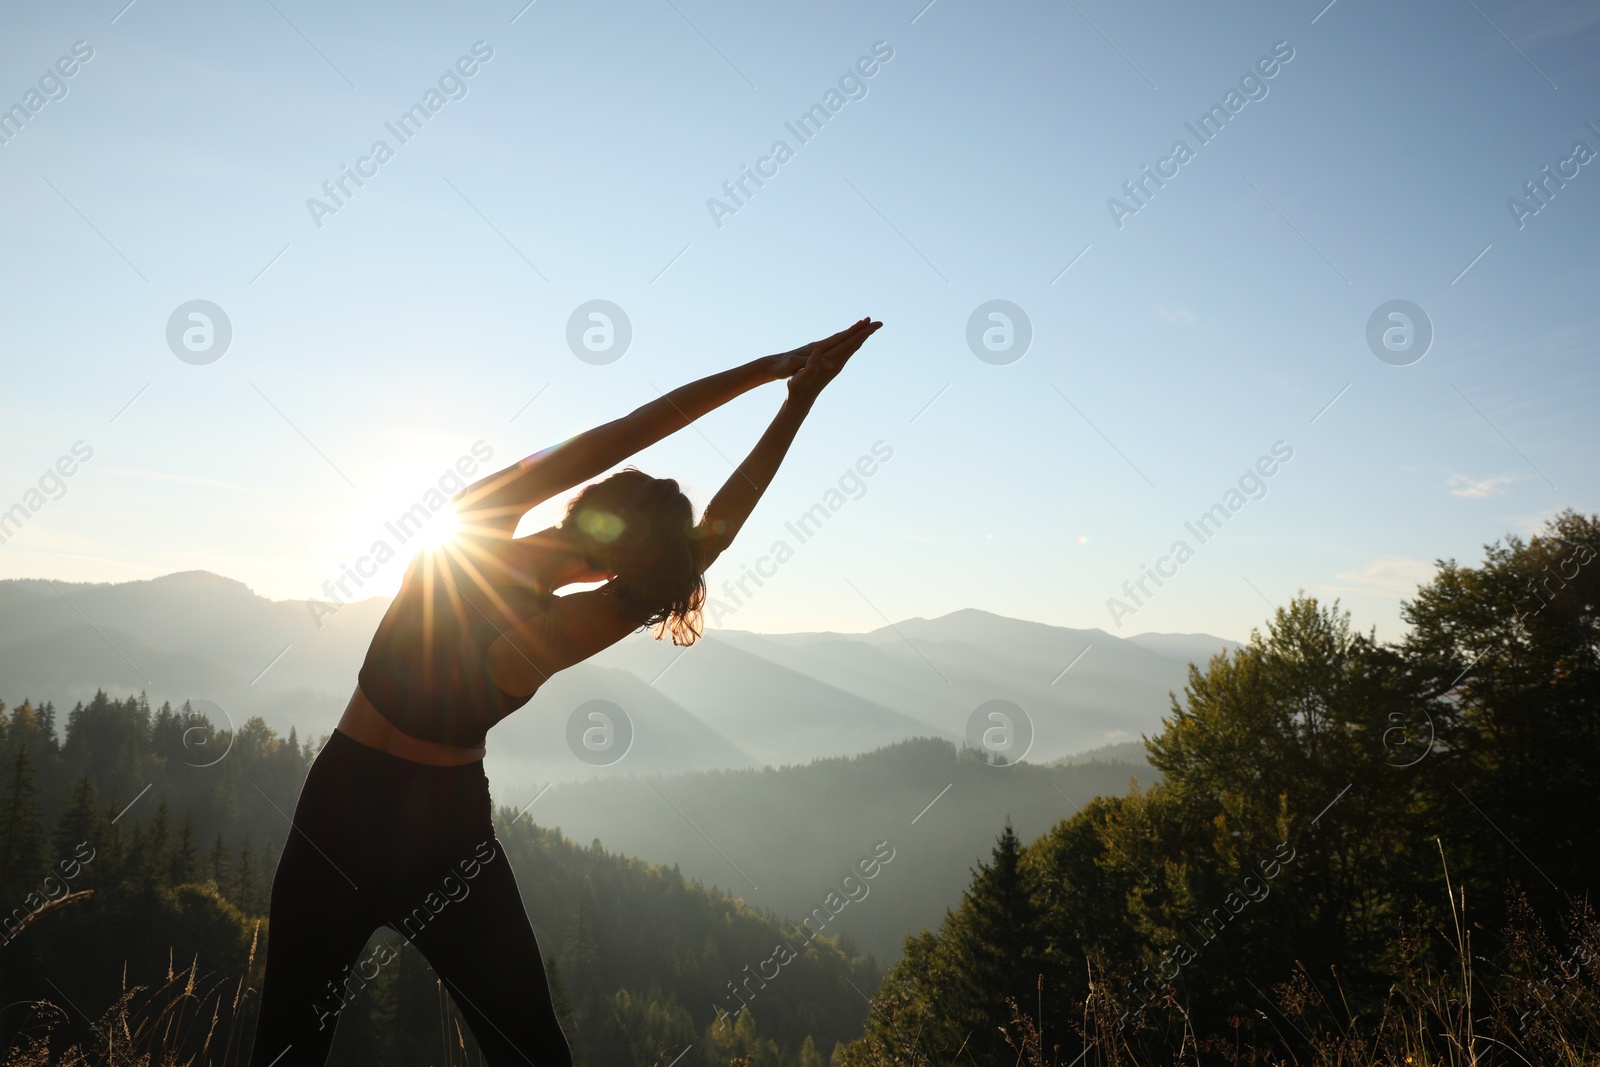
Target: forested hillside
{"x":145,"y":841}
{"x":793,"y":830}
{"x":1345,"y":852}
{"x":1358,"y":853}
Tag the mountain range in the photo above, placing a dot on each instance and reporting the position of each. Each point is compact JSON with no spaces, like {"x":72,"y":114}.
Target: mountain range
{"x":765,"y":764}
{"x":733,"y":700}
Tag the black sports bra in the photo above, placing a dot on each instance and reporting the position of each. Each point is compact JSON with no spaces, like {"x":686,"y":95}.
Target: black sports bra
{"x":427,"y":669}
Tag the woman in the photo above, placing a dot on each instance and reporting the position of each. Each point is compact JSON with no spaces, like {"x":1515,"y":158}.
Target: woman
{"x":393,"y":826}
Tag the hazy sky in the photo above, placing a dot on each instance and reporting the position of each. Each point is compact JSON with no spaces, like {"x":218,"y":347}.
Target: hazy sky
{"x":378,"y":335}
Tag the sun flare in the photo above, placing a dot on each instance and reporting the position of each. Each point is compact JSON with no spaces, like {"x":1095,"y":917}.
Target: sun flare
{"x":440,"y":531}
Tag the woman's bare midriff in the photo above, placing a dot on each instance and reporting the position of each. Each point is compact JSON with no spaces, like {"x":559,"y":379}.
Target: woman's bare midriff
{"x":362,"y":722}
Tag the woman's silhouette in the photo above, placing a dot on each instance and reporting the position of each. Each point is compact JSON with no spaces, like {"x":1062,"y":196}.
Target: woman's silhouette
{"x":393,"y":826}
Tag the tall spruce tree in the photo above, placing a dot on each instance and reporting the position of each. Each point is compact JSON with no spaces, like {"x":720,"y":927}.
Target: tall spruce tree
{"x":220,"y":867}
{"x":47,"y":728}
{"x":156,"y":863}
{"x":22,"y":858}
{"x":996,"y":944}
{"x":244,"y":884}
{"x":78,"y":835}
{"x":185,"y":865}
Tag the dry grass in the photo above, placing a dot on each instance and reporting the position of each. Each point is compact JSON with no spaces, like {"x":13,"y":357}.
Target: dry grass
{"x":1538,"y":1007}
{"x":189,"y":1020}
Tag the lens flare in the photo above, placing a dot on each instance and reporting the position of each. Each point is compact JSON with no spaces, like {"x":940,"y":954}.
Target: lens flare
{"x":440,"y":531}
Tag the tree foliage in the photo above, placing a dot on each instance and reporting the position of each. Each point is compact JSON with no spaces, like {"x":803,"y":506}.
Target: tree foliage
{"x":1311,"y":780}
{"x":146,"y":840}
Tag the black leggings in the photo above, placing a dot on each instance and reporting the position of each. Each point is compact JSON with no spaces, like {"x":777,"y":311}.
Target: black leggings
{"x":383,"y":841}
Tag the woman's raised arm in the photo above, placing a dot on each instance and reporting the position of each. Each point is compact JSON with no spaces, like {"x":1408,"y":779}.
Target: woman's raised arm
{"x":494,"y":504}
{"x":737,"y":498}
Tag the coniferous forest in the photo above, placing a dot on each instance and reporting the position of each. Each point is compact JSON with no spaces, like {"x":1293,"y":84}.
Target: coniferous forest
{"x":1356,"y":852}
{"x":107,"y":889}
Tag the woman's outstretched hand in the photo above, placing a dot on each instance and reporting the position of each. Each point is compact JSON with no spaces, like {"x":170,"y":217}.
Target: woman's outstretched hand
{"x":785,"y":364}
{"x":811,"y":367}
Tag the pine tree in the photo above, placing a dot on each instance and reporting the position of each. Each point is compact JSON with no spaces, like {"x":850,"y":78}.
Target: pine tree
{"x":78,"y":835}
{"x":185,"y":866}
{"x":135,"y":862}
{"x":581,"y":957}
{"x":22,"y":824}
{"x":25,"y":728}
{"x":156,"y":862}
{"x":47,"y":724}
{"x":77,"y":822}
{"x":220,"y":866}
{"x":558,"y":993}
{"x":244,"y":886}
{"x":110,"y":848}
{"x":166,"y":733}
{"x":578,"y":945}
{"x":996,"y":946}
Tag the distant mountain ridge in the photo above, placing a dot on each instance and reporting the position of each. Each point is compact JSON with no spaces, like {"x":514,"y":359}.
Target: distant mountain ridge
{"x":736,"y":699}
{"x":778,"y":837}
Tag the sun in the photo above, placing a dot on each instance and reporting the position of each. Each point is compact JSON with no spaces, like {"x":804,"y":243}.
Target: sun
{"x":440,"y":531}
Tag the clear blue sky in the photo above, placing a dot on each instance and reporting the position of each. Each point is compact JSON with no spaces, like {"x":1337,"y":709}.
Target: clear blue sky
{"x":1224,"y":315}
